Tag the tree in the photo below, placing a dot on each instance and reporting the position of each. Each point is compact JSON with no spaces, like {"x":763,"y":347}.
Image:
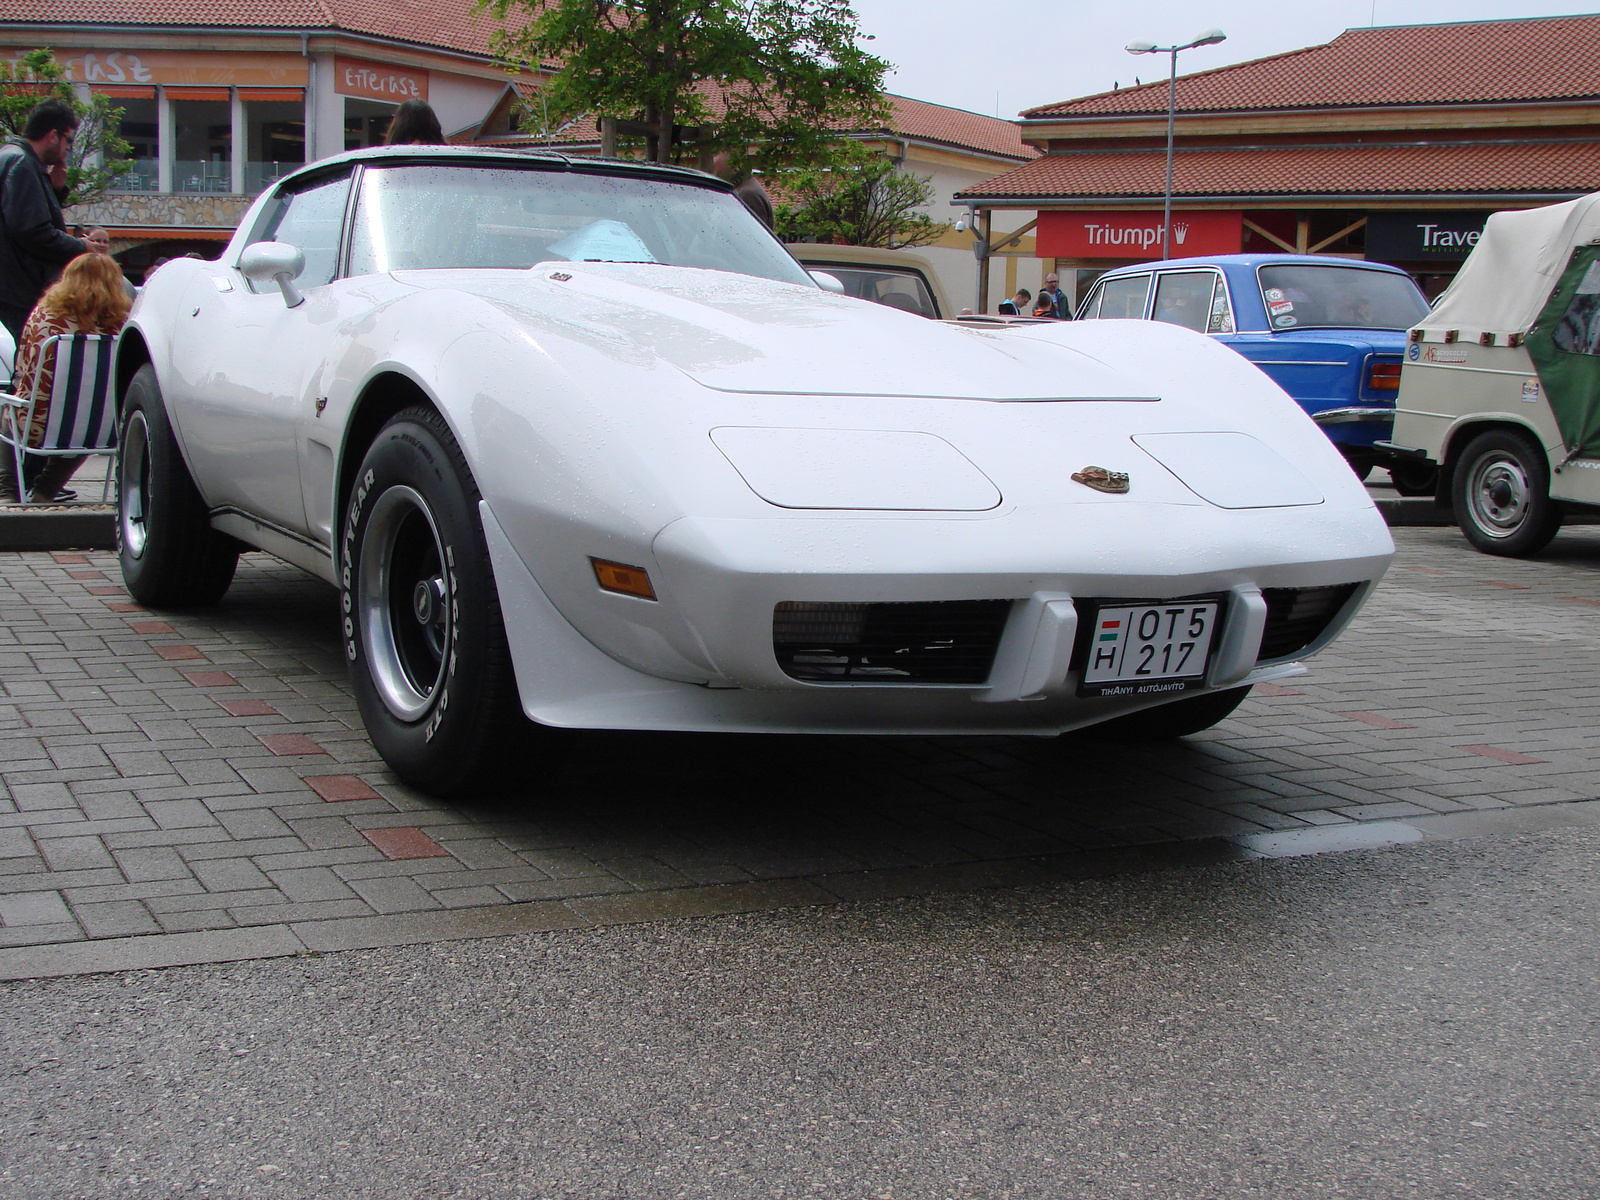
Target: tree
{"x":99,"y":157}
{"x":770,"y":81}
{"x":867,"y":202}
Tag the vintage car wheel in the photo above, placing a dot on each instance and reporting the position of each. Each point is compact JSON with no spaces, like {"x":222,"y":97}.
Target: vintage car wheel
{"x":170,"y":555}
{"x":1502,"y":494}
{"x":1414,"y":479}
{"x":1168,"y":721}
{"x":421,"y":620}
{"x":1361,"y":461}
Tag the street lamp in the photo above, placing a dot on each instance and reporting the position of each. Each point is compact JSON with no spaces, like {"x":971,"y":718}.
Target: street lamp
{"x":1209,"y":38}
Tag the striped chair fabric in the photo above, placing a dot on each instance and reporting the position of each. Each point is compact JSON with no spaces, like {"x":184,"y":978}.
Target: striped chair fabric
{"x":82,"y":417}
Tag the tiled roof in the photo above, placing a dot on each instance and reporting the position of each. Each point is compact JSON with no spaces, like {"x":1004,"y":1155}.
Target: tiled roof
{"x":956,"y":127}
{"x":1545,"y":58}
{"x":908,"y":118}
{"x":1486,"y":168}
{"x":451,"y":24}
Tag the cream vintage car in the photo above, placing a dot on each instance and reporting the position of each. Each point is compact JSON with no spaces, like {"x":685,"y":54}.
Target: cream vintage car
{"x":1501,"y":381}
{"x":581,"y":445}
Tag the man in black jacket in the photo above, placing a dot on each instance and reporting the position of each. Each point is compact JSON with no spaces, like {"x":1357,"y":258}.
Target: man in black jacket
{"x":34,"y":243}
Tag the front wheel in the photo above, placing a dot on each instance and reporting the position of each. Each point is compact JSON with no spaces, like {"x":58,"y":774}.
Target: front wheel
{"x":1414,"y":478}
{"x":1502,"y":494}
{"x":421,"y":619}
{"x":1167,"y":721}
{"x":170,"y":555}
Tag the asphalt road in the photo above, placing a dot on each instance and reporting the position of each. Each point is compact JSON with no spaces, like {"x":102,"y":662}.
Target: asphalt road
{"x":1417,"y":1021}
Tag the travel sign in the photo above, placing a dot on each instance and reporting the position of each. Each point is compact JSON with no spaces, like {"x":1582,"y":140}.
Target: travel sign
{"x":1418,"y":236}
{"x":1136,"y":235}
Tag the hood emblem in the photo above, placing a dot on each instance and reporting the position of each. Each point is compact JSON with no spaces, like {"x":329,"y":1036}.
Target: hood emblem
{"x":560,"y":276}
{"x":1114,"y":483}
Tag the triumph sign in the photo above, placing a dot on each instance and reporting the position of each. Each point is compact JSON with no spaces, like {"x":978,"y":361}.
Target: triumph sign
{"x":1136,"y":235}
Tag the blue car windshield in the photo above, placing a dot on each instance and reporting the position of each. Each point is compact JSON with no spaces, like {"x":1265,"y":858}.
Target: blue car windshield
{"x":423,"y":216}
{"x":1303,"y":296}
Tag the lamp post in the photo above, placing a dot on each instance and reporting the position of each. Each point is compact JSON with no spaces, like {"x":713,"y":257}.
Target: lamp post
{"x":1209,"y":38}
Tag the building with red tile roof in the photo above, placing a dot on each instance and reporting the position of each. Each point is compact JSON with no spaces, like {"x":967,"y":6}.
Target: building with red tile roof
{"x":220,"y":97}
{"x":1365,"y":143}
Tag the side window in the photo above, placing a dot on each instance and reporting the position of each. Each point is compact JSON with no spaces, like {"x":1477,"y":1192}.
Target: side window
{"x":1124,"y":297}
{"x":1578,"y":331}
{"x":1091,"y":306}
{"x":1184,"y":298}
{"x":311,"y":220}
{"x":1221,"y":320}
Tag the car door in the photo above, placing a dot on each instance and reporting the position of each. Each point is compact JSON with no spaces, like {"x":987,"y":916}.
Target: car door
{"x":250,"y":363}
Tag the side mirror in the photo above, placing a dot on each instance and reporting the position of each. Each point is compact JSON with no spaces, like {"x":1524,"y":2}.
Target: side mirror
{"x":828,"y":283}
{"x":274,"y":262}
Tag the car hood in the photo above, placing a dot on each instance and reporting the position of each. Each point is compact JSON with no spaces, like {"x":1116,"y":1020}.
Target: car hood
{"x":737,"y":333}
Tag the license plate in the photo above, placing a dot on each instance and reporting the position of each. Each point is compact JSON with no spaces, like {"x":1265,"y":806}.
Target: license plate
{"x":1145,"y":649}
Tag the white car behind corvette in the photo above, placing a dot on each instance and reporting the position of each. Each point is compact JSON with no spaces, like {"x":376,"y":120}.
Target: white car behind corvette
{"x":579,"y":440}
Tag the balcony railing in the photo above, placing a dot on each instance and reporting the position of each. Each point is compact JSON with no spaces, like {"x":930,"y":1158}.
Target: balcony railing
{"x":258,"y":176}
{"x":144,"y":177}
{"x":202,"y":177}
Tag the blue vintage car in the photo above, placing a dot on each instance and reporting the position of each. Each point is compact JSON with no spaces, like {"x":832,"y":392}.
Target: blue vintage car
{"x":1329,"y":331}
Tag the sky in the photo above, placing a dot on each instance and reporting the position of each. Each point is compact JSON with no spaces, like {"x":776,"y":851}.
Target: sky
{"x":1001,"y":56}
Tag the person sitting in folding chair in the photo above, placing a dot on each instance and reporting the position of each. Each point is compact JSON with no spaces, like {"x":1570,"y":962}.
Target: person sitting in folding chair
{"x":87,"y":299}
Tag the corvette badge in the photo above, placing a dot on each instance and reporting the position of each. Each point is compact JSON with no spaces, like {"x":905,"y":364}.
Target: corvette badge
{"x":1102,"y":480}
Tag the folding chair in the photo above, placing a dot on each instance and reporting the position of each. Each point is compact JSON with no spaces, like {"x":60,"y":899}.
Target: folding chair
{"x":82,"y":417}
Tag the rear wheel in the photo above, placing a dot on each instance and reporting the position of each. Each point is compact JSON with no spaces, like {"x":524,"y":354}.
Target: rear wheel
{"x":1361,"y":461}
{"x":1414,"y":479}
{"x":170,"y":555}
{"x":1167,"y":721}
{"x":1502,"y":494}
{"x":421,"y":619}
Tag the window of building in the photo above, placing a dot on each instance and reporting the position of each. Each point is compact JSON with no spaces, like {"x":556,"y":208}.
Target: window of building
{"x":366,"y":122}
{"x":203,"y":150}
{"x":275,"y":141}
{"x":141,"y":130}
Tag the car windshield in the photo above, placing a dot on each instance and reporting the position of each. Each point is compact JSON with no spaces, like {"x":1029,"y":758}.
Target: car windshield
{"x":905,"y":290}
{"x":423,"y":216}
{"x":1307,"y":297}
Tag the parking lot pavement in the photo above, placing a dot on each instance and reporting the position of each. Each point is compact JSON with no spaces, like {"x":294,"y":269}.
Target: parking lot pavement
{"x":196,"y":787}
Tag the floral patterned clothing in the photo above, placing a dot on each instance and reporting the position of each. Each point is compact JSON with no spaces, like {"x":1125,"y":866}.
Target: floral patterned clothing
{"x":42,"y":325}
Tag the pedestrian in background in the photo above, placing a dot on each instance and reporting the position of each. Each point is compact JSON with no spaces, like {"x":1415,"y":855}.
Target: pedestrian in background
{"x":1017,"y":305}
{"x":99,"y":242}
{"x":88,"y":298}
{"x":34,"y":242}
{"x":1061,"y":306}
{"x":415,"y":124}
{"x":747,"y":187}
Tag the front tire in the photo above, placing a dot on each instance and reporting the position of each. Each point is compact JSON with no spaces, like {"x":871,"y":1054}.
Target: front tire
{"x":421,"y":619}
{"x":1501,"y":492}
{"x":1165,"y":722}
{"x":170,"y":555}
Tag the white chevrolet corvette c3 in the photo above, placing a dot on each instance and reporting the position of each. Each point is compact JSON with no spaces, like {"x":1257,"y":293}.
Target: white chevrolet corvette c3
{"x":579,"y":441}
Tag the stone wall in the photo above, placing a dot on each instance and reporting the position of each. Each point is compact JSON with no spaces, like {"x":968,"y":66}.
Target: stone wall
{"x":154,"y":210}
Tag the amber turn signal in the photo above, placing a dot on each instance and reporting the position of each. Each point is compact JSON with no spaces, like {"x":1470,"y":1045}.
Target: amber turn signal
{"x":619,"y":577}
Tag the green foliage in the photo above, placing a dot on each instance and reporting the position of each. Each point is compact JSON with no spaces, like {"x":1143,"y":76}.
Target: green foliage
{"x":772,"y":82}
{"x":99,"y":157}
{"x":867,"y":201}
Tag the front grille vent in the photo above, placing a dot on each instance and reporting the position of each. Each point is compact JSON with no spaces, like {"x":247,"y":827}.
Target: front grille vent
{"x":943,"y":641}
{"x":1296,"y":617}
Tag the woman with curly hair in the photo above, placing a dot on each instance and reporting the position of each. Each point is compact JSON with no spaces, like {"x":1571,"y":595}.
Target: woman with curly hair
{"x":88,"y":298}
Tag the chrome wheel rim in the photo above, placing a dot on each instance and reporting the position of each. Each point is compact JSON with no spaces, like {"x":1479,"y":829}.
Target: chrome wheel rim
{"x":406,"y":616}
{"x":133,"y":485}
{"x":1499,"y":494}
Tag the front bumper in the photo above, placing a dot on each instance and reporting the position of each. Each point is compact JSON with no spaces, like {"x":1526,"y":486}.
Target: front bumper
{"x":727,"y":576}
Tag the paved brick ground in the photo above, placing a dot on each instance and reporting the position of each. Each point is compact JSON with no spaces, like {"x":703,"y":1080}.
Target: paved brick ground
{"x":201,"y":782}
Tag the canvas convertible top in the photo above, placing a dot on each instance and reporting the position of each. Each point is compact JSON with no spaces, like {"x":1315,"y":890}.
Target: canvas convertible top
{"x":1537,"y":273}
{"x":1507,"y":279}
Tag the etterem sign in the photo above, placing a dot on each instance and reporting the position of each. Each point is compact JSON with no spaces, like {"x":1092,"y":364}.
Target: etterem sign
{"x":1136,"y":235}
